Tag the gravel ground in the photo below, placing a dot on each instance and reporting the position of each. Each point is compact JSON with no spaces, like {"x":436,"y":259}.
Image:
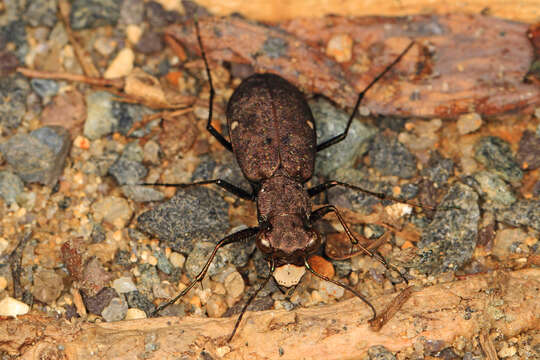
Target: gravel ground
{"x":80,"y":238}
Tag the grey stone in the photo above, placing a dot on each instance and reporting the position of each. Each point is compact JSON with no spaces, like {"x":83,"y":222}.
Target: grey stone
{"x":41,"y":13}
{"x":99,"y":118}
{"x":39,"y":156}
{"x":87,"y":14}
{"x":329,"y":122}
{"x":192,"y":215}
{"x":391,"y":157}
{"x":496,"y":155}
{"x":449,"y":240}
{"x":115,"y":311}
{"x":10,"y":186}
{"x":14,"y":90}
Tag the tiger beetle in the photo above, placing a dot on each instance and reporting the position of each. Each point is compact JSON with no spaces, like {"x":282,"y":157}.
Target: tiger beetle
{"x":272,"y":134}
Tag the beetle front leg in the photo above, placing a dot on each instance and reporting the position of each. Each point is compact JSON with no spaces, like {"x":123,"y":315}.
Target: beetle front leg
{"x":241,"y":235}
{"x":320,"y":212}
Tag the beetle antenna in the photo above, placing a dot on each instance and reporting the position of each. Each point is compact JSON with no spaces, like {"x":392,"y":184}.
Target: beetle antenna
{"x":250,"y":300}
{"x":345,"y":286}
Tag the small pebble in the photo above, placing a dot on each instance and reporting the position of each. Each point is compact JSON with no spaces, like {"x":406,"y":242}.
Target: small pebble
{"x":123,"y":285}
{"x":133,"y":33}
{"x":105,"y":46}
{"x":13,"y":307}
{"x":87,"y":14}
{"x":115,"y":311}
{"x":10,"y":186}
{"x":234,"y":283}
{"x":141,"y":193}
{"x":134,"y":314}
{"x":48,"y":286}
{"x":177,"y":259}
{"x":340,"y":47}
{"x":469,"y":123}
{"x":121,"y":65}
{"x":3,"y":283}
{"x":114,"y":210}
{"x":331,"y":289}
{"x":216,"y":306}
{"x":99,"y":118}
{"x":322,"y":266}
{"x":509,"y":241}
{"x":40,"y":155}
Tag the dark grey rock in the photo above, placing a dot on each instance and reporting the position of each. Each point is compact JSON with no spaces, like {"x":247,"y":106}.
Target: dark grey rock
{"x":132,"y":12}
{"x":141,"y":193}
{"x":192,"y":215}
{"x":449,"y":240}
{"x":15,"y":33}
{"x":529,"y":150}
{"x":379,"y":352}
{"x":163,"y":263}
{"x":439,"y":169}
{"x":126,"y":115}
{"x":156,"y":14}
{"x":330,"y":122}
{"x":137,"y":300}
{"x":14,"y":90}
{"x":10,"y":186}
{"x":8,"y":63}
{"x":356,"y":200}
{"x":100,"y":120}
{"x":115,"y":311}
{"x":95,"y":304}
{"x":391,"y":157}
{"x":521,"y":213}
{"x":343,"y":268}
{"x":41,"y":13}
{"x":148,"y":278}
{"x":44,"y":88}
{"x":87,"y":14}
{"x":150,"y":42}
{"x":496,"y":155}
{"x":39,"y":156}
{"x":200,"y":255}
{"x":127,"y":171}
{"x":494,"y":191}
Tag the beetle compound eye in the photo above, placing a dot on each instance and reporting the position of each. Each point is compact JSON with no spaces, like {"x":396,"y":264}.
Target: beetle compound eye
{"x":313,"y":242}
{"x":263,"y":243}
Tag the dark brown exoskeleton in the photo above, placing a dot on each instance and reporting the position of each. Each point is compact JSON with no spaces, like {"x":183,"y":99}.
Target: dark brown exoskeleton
{"x":272,"y":134}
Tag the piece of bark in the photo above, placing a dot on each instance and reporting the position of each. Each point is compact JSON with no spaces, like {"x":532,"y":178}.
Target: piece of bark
{"x":278,"y":10}
{"x":459,"y":64}
{"x":338,"y":331}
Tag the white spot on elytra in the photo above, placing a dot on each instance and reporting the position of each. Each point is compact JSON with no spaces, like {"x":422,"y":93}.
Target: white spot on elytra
{"x":234,"y":125}
{"x":310,"y":124}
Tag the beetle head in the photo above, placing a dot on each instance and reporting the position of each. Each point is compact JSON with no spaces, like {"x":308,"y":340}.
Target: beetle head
{"x":287,"y":241}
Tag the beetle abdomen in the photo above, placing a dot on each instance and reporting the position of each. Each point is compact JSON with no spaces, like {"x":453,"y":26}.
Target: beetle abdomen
{"x":271,"y":126}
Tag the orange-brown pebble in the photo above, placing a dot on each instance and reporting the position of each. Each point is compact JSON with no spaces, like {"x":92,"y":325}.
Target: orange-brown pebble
{"x":406,"y":245}
{"x":81,"y":142}
{"x":173,"y":76}
{"x":321,"y":266}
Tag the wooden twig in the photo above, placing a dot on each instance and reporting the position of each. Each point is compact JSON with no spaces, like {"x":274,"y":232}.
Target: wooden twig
{"x":325,"y":332}
{"x":96,"y":81}
{"x":391,"y":310}
{"x":85,"y":61}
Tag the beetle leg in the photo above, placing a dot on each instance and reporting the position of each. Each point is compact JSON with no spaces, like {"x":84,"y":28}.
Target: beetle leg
{"x":241,"y":235}
{"x":345,"y":286}
{"x":334,"y":140}
{"x":250,"y":300}
{"x":219,"y":137}
{"x":233,"y":189}
{"x":320,"y":212}
{"x":330,"y":184}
